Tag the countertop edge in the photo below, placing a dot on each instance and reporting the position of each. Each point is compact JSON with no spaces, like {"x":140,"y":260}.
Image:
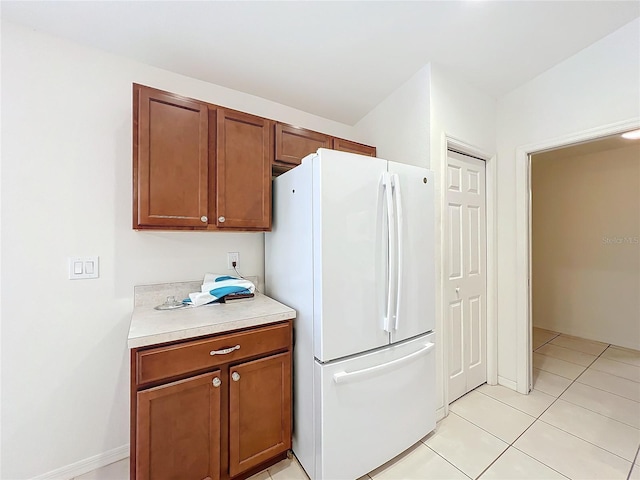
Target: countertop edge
{"x":216,"y":328}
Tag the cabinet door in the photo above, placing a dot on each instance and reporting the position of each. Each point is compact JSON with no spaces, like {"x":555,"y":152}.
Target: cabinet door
{"x":170,"y":166}
{"x":259,"y":411}
{"x":295,"y":143}
{"x":243,"y":171}
{"x":178,"y":430}
{"x":353,"y":147}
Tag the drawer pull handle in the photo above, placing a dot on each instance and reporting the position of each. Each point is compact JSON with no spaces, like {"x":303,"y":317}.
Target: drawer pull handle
{"x":216,"y":382}
{"x":224,"y":351}
{"x":235,"y":376}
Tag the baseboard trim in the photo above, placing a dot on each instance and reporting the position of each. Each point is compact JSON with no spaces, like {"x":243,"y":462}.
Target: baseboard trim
{"x":505,"y":382}
{"x":83,"y":466}
{"x":440,"y":414}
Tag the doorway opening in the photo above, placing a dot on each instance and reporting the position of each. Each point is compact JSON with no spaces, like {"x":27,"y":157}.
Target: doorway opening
{"x":585,"y":253}
{"x":592,"y":241}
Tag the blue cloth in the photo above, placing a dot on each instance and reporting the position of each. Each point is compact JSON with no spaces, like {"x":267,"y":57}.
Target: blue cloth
{"x":214,"y":287}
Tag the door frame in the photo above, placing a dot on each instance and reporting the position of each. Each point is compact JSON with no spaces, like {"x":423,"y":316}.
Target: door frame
{"x":451,"y":142}
{"x":524,"y":318}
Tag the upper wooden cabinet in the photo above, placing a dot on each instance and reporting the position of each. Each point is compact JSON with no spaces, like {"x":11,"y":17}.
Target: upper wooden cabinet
{"x":199,"y":166}
{"x":295,"y":143}
{"x":243,"y":167}
{"x":353,"y":147}
{"x":170,"y":161}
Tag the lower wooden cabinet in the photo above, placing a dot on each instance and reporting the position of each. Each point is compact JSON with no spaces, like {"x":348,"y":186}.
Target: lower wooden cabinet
{"x":259,"y":411}
{"x":225,"y":423}
{"x":178,"y":427}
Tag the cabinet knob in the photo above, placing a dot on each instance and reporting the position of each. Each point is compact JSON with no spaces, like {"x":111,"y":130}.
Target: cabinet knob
{"x":221,"y":219}
{"x":204,"y":219}
{"x":216,"y":382}
{"x":235,"y":376}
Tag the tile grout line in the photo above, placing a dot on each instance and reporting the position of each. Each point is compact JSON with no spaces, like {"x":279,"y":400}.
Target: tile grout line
{"x":613,"y":374}
{"x":523,"y":432}
{"x":633,"y":463}
{"x":538,"y":418}
{"x":606,"y":391}
{"x":516,"y":408}
{"x":451,"y":412}
{"x":542,"y":345}
{"x":602,"y":390}
{"x":568,"y":361}
{"x":576,"y":436}
{"x":446,"y":460}
{"x":587,"y":441}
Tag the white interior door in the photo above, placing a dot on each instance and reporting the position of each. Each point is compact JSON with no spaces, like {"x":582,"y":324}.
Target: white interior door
{"x":466,"y":280}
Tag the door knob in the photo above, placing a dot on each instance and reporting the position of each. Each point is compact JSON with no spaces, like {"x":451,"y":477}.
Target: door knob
{"x":235,"y":376}
{"x":216,"y":382}
{"x":221,"y":219}
{"x":203,"y":219}
{"x":458,"y":290}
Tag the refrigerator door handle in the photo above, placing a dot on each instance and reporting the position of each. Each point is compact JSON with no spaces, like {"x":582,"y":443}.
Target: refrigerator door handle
{"x":386,"y":181}
{"x":399,"y":220}
{"x":346,"y":377}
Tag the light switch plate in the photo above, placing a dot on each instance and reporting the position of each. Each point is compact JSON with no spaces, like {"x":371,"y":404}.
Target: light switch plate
{"x":82,"y":268}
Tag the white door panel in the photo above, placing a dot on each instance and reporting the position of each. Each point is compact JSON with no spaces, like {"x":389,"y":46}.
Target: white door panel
{"x":416,"y":306}
{"x":374,"y":406}
{"x":465,"y":284}
{"x":350,"y":254}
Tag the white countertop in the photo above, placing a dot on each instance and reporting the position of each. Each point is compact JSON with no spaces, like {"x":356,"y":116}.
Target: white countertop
{"x":150,"y":326}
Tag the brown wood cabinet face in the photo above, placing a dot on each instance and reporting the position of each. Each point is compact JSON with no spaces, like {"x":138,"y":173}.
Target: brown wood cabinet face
{"x":295,"y":143}
{"x":178,"y":430}
{"x":259,"y":411}
{"x":170,"y":160}
{"x":353,"y":147}
{"x":243,"y":171}
{"x":170,"y":361}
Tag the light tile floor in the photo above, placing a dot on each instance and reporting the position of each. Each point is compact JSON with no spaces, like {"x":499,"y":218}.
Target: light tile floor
{"x":581,"y":421}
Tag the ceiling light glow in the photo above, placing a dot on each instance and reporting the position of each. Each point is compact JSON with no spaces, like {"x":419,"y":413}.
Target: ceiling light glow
{"x":634,"y":135}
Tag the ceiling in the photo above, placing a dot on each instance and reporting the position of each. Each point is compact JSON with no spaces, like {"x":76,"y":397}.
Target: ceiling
{"x":336,"y":59}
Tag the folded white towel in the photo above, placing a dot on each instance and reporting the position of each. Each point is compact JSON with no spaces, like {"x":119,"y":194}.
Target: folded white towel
{"x":214,"y":287}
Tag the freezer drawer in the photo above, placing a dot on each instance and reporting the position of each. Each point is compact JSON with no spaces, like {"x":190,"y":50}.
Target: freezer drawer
{"x":373,"y":407}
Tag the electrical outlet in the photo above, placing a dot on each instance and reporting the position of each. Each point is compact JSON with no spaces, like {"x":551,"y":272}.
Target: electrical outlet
{"x":233,"y":257}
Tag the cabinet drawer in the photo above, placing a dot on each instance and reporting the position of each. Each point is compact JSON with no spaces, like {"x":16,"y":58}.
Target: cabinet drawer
{"x":165,"y":362}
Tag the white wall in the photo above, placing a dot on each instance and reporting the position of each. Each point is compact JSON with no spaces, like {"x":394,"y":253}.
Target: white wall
{"x":66,"y":190}
{"x":461,"y":112}
{"x":586,"y":245}
{"x":595,"y":88}
{"x":399,"y":125}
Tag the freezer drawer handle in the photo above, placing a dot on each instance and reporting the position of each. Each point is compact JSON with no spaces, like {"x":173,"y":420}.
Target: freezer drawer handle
{"x":344,"y":377}
{"x":224,"y":351}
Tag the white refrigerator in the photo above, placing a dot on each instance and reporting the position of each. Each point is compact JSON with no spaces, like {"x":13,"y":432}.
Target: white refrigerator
{"x":352,"y":251}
